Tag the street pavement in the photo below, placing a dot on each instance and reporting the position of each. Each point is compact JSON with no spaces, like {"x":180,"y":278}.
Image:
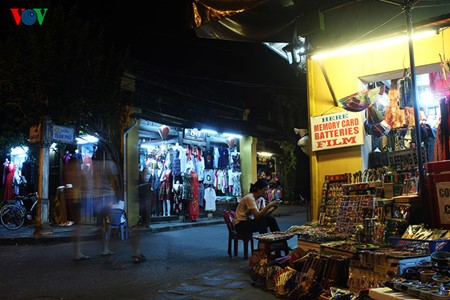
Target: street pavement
{"x":185,"y":261}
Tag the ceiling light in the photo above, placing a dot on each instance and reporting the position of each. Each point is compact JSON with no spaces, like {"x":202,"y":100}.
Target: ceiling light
{"x":372,"y":45}
{"x":265,"y":154}
{"x":210,"y":131}
{"x":238,"y":136}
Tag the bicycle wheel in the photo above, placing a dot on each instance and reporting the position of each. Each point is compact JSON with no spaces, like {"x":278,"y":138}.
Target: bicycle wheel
{"x":12,"y":216}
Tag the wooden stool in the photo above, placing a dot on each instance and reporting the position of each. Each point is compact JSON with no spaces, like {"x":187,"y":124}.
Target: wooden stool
{"x":276,"y":246}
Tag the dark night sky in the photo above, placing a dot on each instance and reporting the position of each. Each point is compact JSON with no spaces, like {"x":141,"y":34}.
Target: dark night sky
{"x":158,"y":33}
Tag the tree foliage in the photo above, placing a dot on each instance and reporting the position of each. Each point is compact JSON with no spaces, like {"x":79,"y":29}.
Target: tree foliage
{"x":288,"y":166}
{"x":64,"y":69}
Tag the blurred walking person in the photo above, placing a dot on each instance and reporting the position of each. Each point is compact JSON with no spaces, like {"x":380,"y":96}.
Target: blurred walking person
{"x":72,"y":195}
{"x":105,"y":189}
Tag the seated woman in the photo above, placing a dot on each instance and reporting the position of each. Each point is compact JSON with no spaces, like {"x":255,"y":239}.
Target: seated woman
{"x":249,"y":218}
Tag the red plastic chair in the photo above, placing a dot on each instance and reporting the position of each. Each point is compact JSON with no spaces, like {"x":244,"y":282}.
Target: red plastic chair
{"x":228,"y":216}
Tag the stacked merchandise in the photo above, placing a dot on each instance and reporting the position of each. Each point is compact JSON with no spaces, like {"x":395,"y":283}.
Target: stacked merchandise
{"x":331,"y":196}
{"x":304,"y":277}
{"x":357,"y":204}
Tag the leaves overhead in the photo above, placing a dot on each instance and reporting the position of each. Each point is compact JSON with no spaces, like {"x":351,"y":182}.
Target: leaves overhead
{"x":64,"y":69}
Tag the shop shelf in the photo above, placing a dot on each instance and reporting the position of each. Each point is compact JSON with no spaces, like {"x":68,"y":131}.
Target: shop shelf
{"x":427,"y":246}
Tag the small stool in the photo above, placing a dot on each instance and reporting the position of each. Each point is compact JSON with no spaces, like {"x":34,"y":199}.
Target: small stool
{"x":276,"y":246}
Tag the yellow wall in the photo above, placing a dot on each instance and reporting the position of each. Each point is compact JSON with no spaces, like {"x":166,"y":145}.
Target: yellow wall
{"x":247,"y":148}
{"x":130,"y":174}
{"x":344,"y":72}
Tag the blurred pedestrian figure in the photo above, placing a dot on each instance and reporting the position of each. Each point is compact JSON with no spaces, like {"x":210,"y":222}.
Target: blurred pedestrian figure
{"x":104,"y":190}
{"x":137,"y":256}
{"x":72,"y":195}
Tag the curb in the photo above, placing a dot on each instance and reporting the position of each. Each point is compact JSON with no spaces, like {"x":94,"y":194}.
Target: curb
{"x":24,"y":236}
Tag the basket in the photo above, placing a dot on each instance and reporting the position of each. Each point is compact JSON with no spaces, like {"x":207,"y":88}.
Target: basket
{"x":422,"y":246}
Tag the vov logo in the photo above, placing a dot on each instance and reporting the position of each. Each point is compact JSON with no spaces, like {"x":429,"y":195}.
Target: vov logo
{"x":29,"y":16}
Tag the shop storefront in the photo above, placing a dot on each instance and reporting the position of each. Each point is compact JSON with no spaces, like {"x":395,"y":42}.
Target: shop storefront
{"x":350,"y":73}
{"x":186,"y":173}
{"x":367,"y":240}
{"x":18,"y":173}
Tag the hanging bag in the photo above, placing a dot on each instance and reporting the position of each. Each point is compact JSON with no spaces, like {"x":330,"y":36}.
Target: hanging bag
{"x":404,"y":88}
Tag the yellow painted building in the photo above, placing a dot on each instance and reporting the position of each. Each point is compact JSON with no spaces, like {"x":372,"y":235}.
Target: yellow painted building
{"x":347,"y":74}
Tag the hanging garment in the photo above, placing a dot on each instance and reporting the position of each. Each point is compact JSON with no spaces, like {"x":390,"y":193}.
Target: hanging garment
{"x":210,"y":199}
{"x":404,"y":88}
{"x":177,"y":202}
{"x":193,"y":206}
{"x":9,"y":191}
{"x":393,"y":115}
{"x":187,"y":193}
{"x":209,"y":177}
{"x":445,"y":126}
{"x":208,"y":156}
{"x":199,"y":165}
{"x":201,"y":194}
{"x":236,"y":179}
{"x":165,"y":189}
{"x":176,"y":167}
{"x":223,"y":157}
{"x":236,"y":157}
{"x":5,"y":171}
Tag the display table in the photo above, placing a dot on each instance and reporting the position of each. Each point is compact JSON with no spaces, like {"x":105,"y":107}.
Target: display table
{"x":269,"y":246}
{"x":386,"y":293}
{"x":274,"y":242}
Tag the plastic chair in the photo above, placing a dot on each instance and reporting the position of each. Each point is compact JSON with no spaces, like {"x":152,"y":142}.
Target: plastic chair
{"x":228,"y":216}
{"x":117,"y":220}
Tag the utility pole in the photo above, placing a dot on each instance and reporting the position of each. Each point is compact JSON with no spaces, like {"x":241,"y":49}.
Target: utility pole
{"x":42,"y":206}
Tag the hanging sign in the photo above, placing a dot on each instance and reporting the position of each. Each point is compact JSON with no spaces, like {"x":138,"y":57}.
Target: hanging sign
{"x":403,"y":159}
{"x":336,"y":131}
{"x":443,"y":197}
{"x":194,"y":135}
{"x":35,"y":134}
{"x":63,"y":134}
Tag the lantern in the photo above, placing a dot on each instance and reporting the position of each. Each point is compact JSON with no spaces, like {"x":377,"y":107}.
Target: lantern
{"x":303,"y":143}
{"x":230,"y":141}
{"x":164,"y":131}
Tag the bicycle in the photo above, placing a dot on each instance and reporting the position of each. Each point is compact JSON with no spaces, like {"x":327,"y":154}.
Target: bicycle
{"x":14,"y":214}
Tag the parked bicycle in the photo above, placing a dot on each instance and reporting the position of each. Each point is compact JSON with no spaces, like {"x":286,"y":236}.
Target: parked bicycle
{"x":18,"y":211}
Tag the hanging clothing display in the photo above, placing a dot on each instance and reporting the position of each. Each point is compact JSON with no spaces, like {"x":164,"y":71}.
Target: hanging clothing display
{"x":210,"y":199}
{"x":190,"y":175}
{"x":177,"y":207}
{"x":404,"y":92}
{"x":9,"y":191}
{"x":165,"y":189}
{"x":394,"y":115}
{"x":193,"y":207}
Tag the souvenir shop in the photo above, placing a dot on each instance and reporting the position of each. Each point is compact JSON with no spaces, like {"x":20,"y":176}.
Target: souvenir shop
{"x":268,"y":165}
{"x":372,"y":236}
{"x":89,"y":156}
{"x":18,"y":173}
{"x":186,"y":173}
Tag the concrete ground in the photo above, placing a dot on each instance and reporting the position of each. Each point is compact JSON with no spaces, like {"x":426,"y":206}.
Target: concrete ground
{"x":188,"y":262}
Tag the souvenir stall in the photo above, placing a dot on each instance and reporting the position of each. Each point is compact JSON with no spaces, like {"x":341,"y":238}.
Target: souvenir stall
{"x":188,"y":173}
{"x":372,"y":228}
{"x":389,"y":130}
{"x":362,"y":243}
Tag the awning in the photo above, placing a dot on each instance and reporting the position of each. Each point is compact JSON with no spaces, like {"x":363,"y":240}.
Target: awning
{"x":325,"y":23}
